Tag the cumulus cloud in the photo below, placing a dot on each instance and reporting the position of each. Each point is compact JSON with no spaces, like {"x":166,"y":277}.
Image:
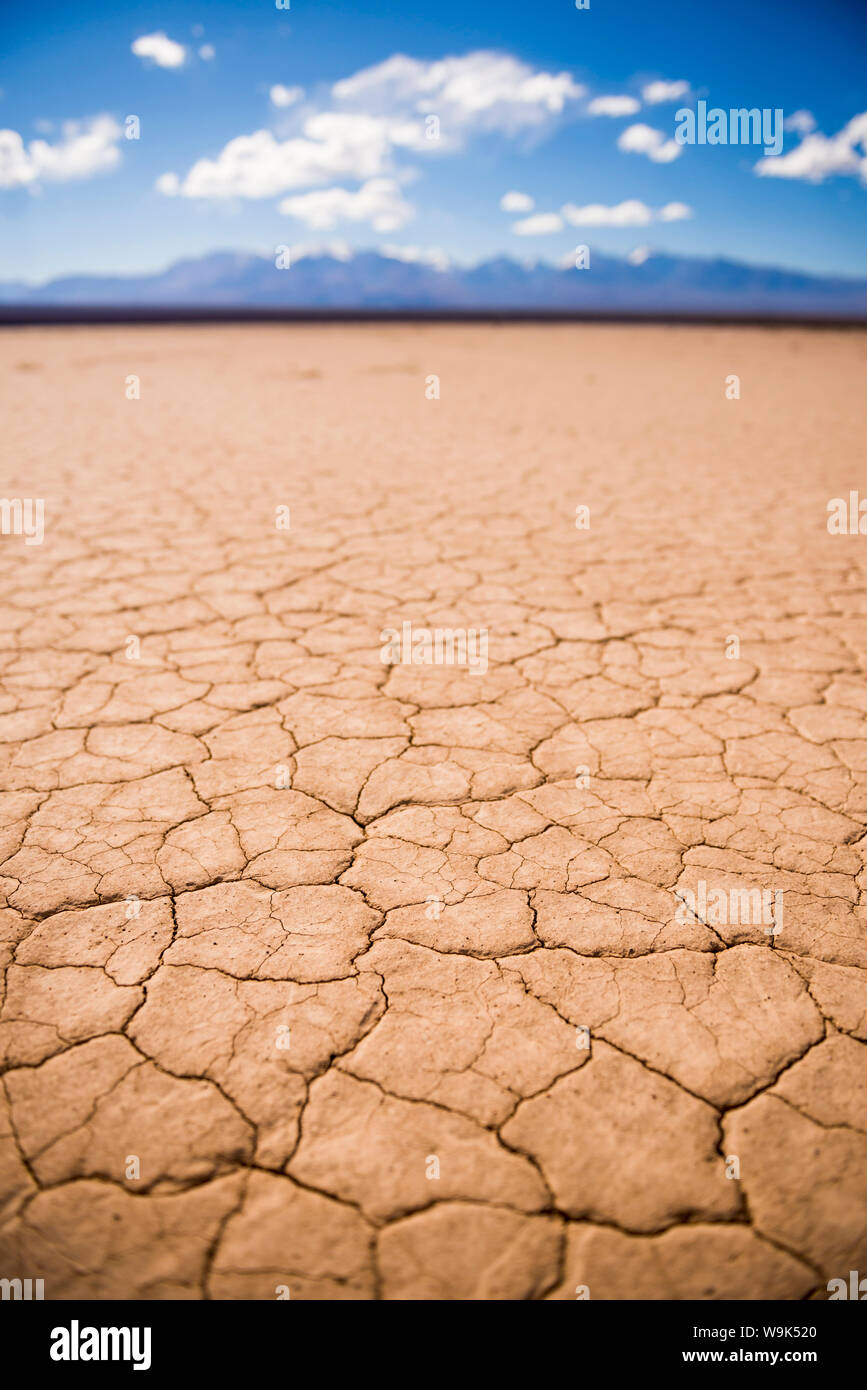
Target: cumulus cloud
{"x":631,"y":213}
{"x":169,"y":184}
{"x":285,"y":96}
{"x":542,"y":224}
{"x":801,"y":121}
{"x":312,"y":250}
{"x":644,"y":139}
{"x":417,"y":255}
{"x":482,"y":91}
{"x":160,"y":49}
{"x":86,"y":147}
{"x":374,"y":116}
{"x":819,"y":156}
{"x":517,"y":202}
{"x":656,"y":92}
{"x":614,"y":106}
{"x":333,"y":145}
{"x":378,"y":202}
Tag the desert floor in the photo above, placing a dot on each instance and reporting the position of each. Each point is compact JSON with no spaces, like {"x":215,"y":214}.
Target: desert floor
{"x":363,"y":980}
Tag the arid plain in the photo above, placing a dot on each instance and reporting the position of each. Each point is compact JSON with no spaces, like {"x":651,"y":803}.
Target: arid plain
{"x":354,"y":980}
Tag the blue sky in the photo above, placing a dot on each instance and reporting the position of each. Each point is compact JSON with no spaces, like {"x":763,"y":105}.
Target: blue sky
{"x":327,"y":104}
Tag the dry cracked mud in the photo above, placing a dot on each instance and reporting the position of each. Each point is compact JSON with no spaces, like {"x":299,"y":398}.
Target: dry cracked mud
{"x":369,"y":980}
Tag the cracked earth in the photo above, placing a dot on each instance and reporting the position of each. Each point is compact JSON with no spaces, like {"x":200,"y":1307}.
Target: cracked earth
{"x":367,"y":981}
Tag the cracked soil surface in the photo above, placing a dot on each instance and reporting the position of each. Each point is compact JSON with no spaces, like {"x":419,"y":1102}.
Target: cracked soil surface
{"x":368,"y":981}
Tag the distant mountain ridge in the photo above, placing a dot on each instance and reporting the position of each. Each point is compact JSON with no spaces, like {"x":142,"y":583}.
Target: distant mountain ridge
{"x":368,"y":280}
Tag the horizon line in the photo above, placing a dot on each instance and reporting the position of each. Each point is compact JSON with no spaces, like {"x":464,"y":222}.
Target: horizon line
{"x":27,"y":315}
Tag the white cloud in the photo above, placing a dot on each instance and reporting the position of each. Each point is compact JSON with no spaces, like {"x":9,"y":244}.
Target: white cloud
{"x":517,"y":202}
{"x":169,"y":184}
{"x":655,"y":92}
{"x":352,"y":128}
{"x":207,"y":52}
{"x":631,"y":213}
{"x":801,"y":121}
{"x":376,"y":113}
{"x":643,"y":139}
{"x":311,"y":250}
{"x":542,"y":224}
{"x":16,"y":167}
{"x":378,"y":202}
{"x":163,"y":50}
{"x":261,"y":166}
{"x":480,"y":91}
{"x":614,"y":106}
{"x":417,"y":255}
{"x":85,"y":148}
{"x":285,"y":96}
{"x":639,"y":255}
{"x":819,"y":156}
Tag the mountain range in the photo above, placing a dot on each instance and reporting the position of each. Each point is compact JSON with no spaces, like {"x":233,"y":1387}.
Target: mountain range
{"x":369,"y":281}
